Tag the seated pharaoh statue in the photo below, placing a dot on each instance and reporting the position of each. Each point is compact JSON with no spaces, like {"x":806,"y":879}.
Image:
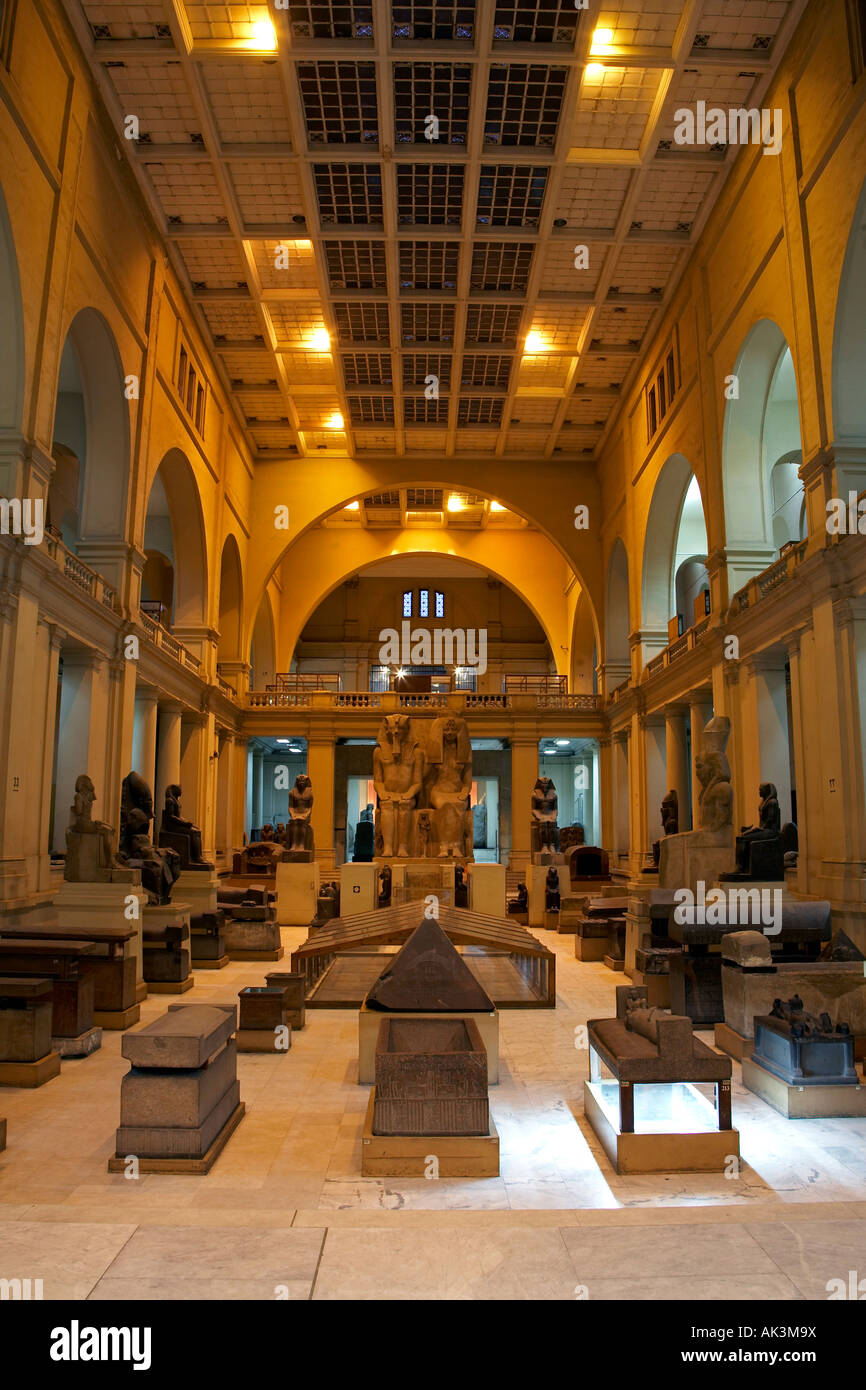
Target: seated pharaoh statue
{"x":761,"y":849}
{"x":160,"y":868}
{"x":179,"y":834}
{"x":704,"y":854}
{"x":299,"y":841}
{"x":449,"y":757}
{"x":90,"y":855}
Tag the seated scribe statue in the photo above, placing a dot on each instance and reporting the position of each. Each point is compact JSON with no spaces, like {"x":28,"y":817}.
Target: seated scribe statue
{"x":160,"y":867}
{"x":760,"y":849}
{"x":179,"y":834}
{"x":90,"y":856}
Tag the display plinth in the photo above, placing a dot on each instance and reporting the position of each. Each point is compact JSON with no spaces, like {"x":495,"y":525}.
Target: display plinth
{"x":141,"y":991}
{"x":487,"y":888}
{"x":116,"y":1020}
{"x":703,"y":1150}
{"x":198,"y":890}
{"x":82,"y":1046}
{"x":590,"y":948}
{"x":536,"y":883}
{"x":28,"y":1075}
{"x":252,"y":940}
{"x":263,"y":1040}
{"x":732,"y":1042}
{"x":411,"y":1156}
{"x":803,"y":1102}
{"x":658,"y":988}
{"x":359,"y":888}
{"x":105,"y":905}
{"x":119,"y":1163}
{"x":368,"y":1032}
{"x":171,"y":986}
{"x":297,"y":893}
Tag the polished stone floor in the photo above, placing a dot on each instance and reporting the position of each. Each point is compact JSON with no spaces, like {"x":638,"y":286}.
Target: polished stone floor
{"x":285,"y":1213}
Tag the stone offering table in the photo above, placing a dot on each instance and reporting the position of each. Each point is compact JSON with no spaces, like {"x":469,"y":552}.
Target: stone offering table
{"x":672,"y":1058}
{"x":26,"y":1055}
{"x":180,"y":1100}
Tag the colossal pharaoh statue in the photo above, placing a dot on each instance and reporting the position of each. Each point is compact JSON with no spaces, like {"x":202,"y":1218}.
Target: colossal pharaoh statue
{"x":704,"y":854}
{"x":398,"y":769}
{"x":449,"y":756}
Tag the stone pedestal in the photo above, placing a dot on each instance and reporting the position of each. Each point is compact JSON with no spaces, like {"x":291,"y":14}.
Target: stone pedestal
{"x":359,"y":888}
{"x":293,"y":983}
{"x":198,"y":889}
{"x":368,"y":1033}
{"x":487,"y":889}
{"x":246,"y":940}
{"x":263,"y":1025}
{"x":413,"y":880}
{"x":297,"y":894}
{"x":104,"y":905}
{"x":180,"y":1100}
{"x":26,"y":1055}
{"x":536,"y":881}
{"x":696,"y":856}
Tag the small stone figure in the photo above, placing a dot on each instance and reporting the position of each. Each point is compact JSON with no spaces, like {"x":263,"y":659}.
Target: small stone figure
{"x":280,"y":834}
{"x":267,"y":837}
{"x":160,"y":867}
{"x":90,"y":854}
{"x":520,"y":904}
{"x":461,"y":887}
{"x":179,"y":834}
{"x":424,"y":830}
{"x":384,"y":897}
{"x":804,"y":1024}
{"x":551,"y":890}
{"x":544,"y":832}
{"x":671,"y":813}
{"x":299,"y":831}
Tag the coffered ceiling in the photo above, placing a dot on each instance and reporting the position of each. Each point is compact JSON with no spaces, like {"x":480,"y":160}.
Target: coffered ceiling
{"x":346,"y":268}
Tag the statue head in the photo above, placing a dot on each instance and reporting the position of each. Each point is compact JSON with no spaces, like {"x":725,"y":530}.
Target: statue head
{"x":84,"y":787}
{"x":302,"y":782}
{"x":767,"y":789}
{"x":136,"y":795}
{"x":137,"y":822}
{"x":544,"y":784}
{"x":448,"y":729}
{"x":174,"y":790}
{"x":394,"y":731}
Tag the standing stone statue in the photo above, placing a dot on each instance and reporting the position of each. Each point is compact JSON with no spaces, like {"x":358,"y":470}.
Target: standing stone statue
{"x":715,"y":805}
{"x":179,"y":834}
{"x":552,"y":899}
{"x":398,"y":769}
{"x":90,"y":854}
{"x":671,"y":813}
{"x":450,"y":759}
{"x":299,"y":831}
{"x":544,"y":831}
{"x":160,"y":868}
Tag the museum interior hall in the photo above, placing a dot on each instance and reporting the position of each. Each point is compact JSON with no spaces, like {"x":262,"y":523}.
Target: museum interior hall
{"x":433,"y":650}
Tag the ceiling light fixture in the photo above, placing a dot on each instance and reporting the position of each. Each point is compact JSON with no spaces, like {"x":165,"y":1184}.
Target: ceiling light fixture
{"x":335,"y":421}
{"x":264,"y":35}
{"x":320,"y":341}
{"x":455,"y":504}
{"x":535,"y":342}
{"x":594,"y":71}
{"x":601,"y":40}
{"x":497,"y":507}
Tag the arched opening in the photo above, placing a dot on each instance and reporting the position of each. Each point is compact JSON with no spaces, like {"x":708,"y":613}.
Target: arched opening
{"x":87,"y":497}
{"x":12,"y":337}
{"x":675,"y":554}
{"x":616,"y":624}
{"x":849,"y":344}
{"x":175,"y":577}
{"x":231,"y":602}
{"x":263,"y":648}
{"x":761,"y":455}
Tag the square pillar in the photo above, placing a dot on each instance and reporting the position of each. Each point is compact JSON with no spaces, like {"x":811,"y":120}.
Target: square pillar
{"x":524,"y":774}
{"x":320,"y":770}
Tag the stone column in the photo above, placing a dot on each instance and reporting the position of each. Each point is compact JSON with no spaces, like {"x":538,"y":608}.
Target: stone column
{"x":676,"y":760}
{"x":223,"y":808}
{"x":54,"y":637}
{"x":121,"y":702}
{"x":700,"y":714}
{"x":167,"y":757}
{"x":258,"y":808}
{"x":238,"y":814}
{"x":605,"y":822}
{"x":798,"y":739}
{"x":320,"y":770}
{"x":84,"y":722}
{"x":621,"y":837}
{"x":196,"y":747}
{"x":653,"y":731}
{"x":144,"y":736}
{"x":524,"y":774}
{"x":765,"y":748}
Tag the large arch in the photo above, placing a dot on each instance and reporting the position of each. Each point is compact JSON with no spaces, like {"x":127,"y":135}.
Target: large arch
{"x":849,"y":339}
{"x":177,"y":482}
{"x":616,"y":608}
{"x":673,"y":531}
{"x":91,"y":421}
{"x":761,"y":431}
{"x":231,"y":601}
{"x":540,"y":495}
{"x":12,"y":371}
{"x":320,"y":560}
{"x":263,"y":647}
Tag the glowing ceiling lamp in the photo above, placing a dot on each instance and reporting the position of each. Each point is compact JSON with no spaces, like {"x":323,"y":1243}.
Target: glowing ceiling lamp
{"x":455,"y":504}
{"x":352,"y":507}
{"x":497,"y":507}
{"x":320,"y":341}
{"x":335,"y":421}
{"x":601,"y":40}
{"x":535,"y":342}
{"x":594,"y":71}
{"x":264,"y":35}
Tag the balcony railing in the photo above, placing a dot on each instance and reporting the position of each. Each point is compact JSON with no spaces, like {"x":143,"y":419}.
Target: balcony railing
{"x":517,"y":684}
{"x":760,"y":585}
{"x":459,"y":701}
{"x":677,"y":649}
{"x":77,"y":572}
{"x":162,"y":638}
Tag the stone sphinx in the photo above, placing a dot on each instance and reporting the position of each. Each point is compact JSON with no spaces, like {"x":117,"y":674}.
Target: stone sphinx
{"x":160,"y":867}
{"x":449,"y":757}
{"x":398,"y":770}
{"x":181,"y":835}
{"x":704,"y":854}
{"x":299,"y":831}
{"x":544,"y":809}
{"x":90,"y":856}
{"x":760,"y":849}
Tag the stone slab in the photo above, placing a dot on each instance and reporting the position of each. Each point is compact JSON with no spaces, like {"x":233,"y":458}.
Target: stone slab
{"x":178,"y":1164}
{"x":487,"y":888}
{"x":803,"y":1102}
{"x":409,"y":1156}
{"x":82,"y":1046}
{"x":297,"y":893}
{"x":177,"y":1098}
{"x":184,"y":1037}
{"x":359,"y":888}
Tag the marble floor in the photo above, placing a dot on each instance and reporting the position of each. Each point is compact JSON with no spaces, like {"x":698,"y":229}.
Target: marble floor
{"x":284,"y":1213}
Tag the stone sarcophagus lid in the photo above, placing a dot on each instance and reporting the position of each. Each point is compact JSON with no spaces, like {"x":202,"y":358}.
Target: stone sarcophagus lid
{"x":431,"y":1078}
